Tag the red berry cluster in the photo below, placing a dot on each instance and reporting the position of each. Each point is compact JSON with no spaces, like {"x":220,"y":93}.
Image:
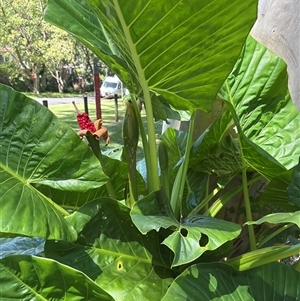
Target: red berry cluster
{"x":85,"y":122}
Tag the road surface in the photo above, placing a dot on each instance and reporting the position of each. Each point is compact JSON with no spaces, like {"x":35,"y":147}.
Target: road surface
{"x":64,"y":100}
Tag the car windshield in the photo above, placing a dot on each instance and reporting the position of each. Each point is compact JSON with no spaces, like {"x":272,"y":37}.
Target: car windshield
{"x":109,"y":85}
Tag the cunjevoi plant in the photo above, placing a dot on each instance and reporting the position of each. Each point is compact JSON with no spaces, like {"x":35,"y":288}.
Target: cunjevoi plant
{"x":160,"y":237}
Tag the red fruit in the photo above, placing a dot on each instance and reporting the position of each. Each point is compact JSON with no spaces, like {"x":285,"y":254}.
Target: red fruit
{"x":84,"y":121}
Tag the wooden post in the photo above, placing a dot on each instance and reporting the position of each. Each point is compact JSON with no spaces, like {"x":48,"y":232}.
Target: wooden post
{"x":116,"y":108}
{"x":85,"y":100}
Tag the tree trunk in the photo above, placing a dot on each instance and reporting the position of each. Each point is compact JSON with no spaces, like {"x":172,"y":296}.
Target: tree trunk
{"x":60,"y":82}
{"x":36,"y":84}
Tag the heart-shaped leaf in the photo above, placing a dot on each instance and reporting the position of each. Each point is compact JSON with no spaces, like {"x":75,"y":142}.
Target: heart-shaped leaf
{"x":257,"y":94}
{"x":43,"y":150}
{"x":191,"y":237}
{"x":111,"y":251}
{"x":38,"y":150}
{"x":174,"y":54}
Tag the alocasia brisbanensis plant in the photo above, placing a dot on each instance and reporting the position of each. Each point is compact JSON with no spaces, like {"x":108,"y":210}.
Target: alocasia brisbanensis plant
{"x":165,"y":240}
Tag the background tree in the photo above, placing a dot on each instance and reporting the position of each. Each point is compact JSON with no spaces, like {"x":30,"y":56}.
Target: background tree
{"x":32,"y":46}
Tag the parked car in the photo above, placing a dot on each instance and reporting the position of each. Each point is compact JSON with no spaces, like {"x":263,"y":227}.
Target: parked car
{"x":111,"y":86}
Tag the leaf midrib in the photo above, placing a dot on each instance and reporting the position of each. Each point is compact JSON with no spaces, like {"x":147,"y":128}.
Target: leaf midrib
{"x":138,"y":259}
{"x":24,"y":283}
{"x":14,"y":174}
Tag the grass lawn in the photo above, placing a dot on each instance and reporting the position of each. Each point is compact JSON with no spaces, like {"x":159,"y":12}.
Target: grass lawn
{"x":67,"y":113}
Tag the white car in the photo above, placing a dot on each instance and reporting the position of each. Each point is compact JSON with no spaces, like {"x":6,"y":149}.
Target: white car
{"x":111,"y":86}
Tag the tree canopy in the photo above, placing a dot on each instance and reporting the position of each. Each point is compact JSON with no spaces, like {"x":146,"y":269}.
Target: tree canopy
{"x":31,"y":45}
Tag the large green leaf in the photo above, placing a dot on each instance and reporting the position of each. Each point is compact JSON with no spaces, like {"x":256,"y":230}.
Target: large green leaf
{"x":42,"y":150}
{"x":25,"y":211}
{"x":38,"y":150}
{"x":266,"y":118}
{"x":175,"y":54}
{"x":221,"y":282}
{"x":111,"y":251}
{"x":118,"y":176}
{"x":191,"y":237}
{"x":24,"y":277}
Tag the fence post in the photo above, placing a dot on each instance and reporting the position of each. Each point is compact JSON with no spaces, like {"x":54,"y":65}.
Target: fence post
{"x":85,"y":100}
{"x":116,"y":108}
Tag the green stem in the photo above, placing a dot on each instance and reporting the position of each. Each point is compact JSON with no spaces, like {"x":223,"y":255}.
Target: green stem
{"x":178,"y":187}
{"x":58,"y":208}
{"x":95,"y":146}
{"x":142,"y":133}
{"x":72,"y":208}
{"x":247,"y":204}
{"x":151,"y":157}
{"x":152,"y":173}
{"x":262,"y":256}
{"x":205,"y":201}
{"x":245,"y":185}
{"x":226,"y":197}
{"x":266,"y":239}
{"x":164,"y":167}
{"x":207,"y":192}
{"x":109,"y":188}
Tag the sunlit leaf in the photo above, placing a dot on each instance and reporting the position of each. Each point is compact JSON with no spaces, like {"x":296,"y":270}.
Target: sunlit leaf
{"x":112,"y":252}
{"x":33,"y":278}
{"x":175,"y":54}
{"x":263,"y":111}
{"x":191,"y":237}
{"x":39,"y":150}
{"x":278,"y":218}
{"x":219,"y":281}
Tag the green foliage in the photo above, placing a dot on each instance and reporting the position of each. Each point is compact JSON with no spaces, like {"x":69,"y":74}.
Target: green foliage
{"x":263,"y":111}
{"x":202,"y":282}
{"x":113,"y":253}
{"x":169,"y":244}
{"x":26,"y":277}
